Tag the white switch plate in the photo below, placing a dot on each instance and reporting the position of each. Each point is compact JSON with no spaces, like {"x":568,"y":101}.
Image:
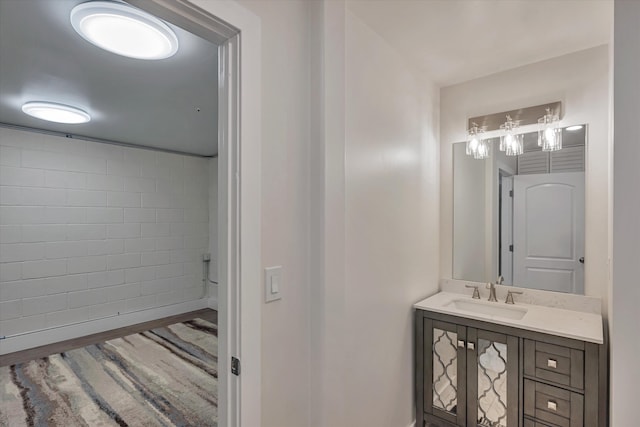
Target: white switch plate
{"x":272,"y":283}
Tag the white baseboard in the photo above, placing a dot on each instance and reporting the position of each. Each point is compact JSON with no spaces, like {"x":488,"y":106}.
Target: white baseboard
{"x":412,"y":424}
{"x":213,"y":303}
{"x":49,"y":336}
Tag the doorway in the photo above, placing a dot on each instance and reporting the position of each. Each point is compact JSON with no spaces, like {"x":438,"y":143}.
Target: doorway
{"x":237,"y":32}
{"x":239,"y":172}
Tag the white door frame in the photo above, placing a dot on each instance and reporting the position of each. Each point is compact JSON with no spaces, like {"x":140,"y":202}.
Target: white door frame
{"x":237,"y":31}
{"x":506,"y":228}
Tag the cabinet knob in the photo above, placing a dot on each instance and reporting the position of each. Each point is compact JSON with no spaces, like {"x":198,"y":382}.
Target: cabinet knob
{"x":552,"y":363}
{"x":461,"y":344}
{"x":471,"y":346}
{"x":552,"y":405}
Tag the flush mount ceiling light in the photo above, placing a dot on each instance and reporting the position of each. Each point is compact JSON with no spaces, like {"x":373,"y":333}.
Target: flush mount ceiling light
{"x":124,"y":30}
{"x":58,"y":113}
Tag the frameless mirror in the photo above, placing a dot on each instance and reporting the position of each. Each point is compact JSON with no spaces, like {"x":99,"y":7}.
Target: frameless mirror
{"x":521,"y":217}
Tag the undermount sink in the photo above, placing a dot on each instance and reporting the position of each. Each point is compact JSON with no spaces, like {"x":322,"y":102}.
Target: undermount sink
{"x":488,"y":308}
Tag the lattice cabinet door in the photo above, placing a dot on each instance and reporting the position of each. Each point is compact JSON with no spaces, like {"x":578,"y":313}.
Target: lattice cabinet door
{"x":492,"y":379}
{"x":445,"y":360}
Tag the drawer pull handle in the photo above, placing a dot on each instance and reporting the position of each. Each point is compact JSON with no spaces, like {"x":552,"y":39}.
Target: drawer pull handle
{"x":471,"y":346}
{"x":461,"y":344}
{"x":552,"y":405}
{"x":552,"y":363}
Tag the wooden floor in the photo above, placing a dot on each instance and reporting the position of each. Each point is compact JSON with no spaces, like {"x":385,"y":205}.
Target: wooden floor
{"x":59,"y":347}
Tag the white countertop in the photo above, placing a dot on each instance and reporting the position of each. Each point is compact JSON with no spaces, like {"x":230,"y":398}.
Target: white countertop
{"x":555,"y":321}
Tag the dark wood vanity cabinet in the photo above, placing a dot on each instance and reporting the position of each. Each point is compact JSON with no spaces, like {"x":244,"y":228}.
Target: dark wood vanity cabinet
{"x":473,"y":373}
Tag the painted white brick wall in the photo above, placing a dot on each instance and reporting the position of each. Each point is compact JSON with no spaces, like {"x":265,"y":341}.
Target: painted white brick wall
{"x":90,"y":230}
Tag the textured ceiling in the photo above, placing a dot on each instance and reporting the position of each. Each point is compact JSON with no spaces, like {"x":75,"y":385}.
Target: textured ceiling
{"x":169,"y":104}
{"x":459,"y":40}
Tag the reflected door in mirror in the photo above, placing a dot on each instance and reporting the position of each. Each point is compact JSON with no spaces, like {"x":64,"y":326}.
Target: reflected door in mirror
{"x":548,"y":232}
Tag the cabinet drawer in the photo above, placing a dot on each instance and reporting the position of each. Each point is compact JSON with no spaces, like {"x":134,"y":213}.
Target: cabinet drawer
{"x":553,"y":405}
{"x":561,"y":365}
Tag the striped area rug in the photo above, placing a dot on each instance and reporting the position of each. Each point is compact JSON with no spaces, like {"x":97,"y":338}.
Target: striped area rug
{"x":162,"y":377}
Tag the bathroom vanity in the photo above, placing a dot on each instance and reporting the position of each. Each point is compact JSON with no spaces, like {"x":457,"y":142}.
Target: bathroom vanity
{"x":481,"y":363}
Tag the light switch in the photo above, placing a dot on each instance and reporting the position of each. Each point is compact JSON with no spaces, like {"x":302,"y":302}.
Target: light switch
{"x":272,"y":283}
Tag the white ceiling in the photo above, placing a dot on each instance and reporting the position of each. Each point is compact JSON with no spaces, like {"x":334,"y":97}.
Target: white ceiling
{"x":459,"y":40}
{"x":149,"y":103}
{"x":155,"y":103}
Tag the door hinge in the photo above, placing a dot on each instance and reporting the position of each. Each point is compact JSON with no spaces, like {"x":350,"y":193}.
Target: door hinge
{"x":510,"y":248}
{"x":510,"y":193}
{"x":235,"y":366}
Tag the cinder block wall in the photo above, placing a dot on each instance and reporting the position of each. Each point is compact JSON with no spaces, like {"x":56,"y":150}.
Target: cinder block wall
{"x":89,"y":230}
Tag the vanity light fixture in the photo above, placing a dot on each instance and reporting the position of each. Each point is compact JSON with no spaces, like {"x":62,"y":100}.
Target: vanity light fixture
{"x":476,"y":145}
{"x":511,"y":142}
{"x":54,"y":112}
{"x":124,"y":30}
{"x":511,"y":132}
{"x":549,"y":133}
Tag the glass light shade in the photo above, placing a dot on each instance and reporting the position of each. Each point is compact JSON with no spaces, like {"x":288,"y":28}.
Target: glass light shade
{"x":483,"y":151}
{"x":552,"y":140}
{"x":472,"y":146}
{"x":510,"y":141}
{"x":476,"y":145}
{"x":549,"y":134}
{"x":515,"y":145}
{"x":58,"y":113}
{"x":502,"y":146}
{"x":124,"y":30}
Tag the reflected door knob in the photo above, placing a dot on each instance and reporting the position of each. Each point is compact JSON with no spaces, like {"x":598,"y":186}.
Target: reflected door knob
{"x":581,"y":260}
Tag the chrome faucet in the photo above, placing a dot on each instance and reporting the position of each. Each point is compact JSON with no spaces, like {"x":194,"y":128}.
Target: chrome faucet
{"x":509,"y":299}
{"x":476,"y":293}
{"x":492,"y":288}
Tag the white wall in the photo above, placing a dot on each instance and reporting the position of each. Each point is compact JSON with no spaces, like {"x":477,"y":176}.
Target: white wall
{"x":392,"y":214}
{"x":285,"y":207}
{"x":625,"y":293}
{"x":375,"y":221}
{"x":89,"y":230}
{"x":580,"y":81}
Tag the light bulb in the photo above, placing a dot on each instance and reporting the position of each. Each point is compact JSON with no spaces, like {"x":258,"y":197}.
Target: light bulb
{"x":549,"y":134}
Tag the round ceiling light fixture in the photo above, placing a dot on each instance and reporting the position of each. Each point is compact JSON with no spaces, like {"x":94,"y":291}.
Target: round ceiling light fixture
{"x":124,"y":30}
{"x":54,"y":112}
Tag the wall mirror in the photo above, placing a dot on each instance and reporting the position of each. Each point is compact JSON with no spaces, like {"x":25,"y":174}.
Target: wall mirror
{"x":522,"y":217}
